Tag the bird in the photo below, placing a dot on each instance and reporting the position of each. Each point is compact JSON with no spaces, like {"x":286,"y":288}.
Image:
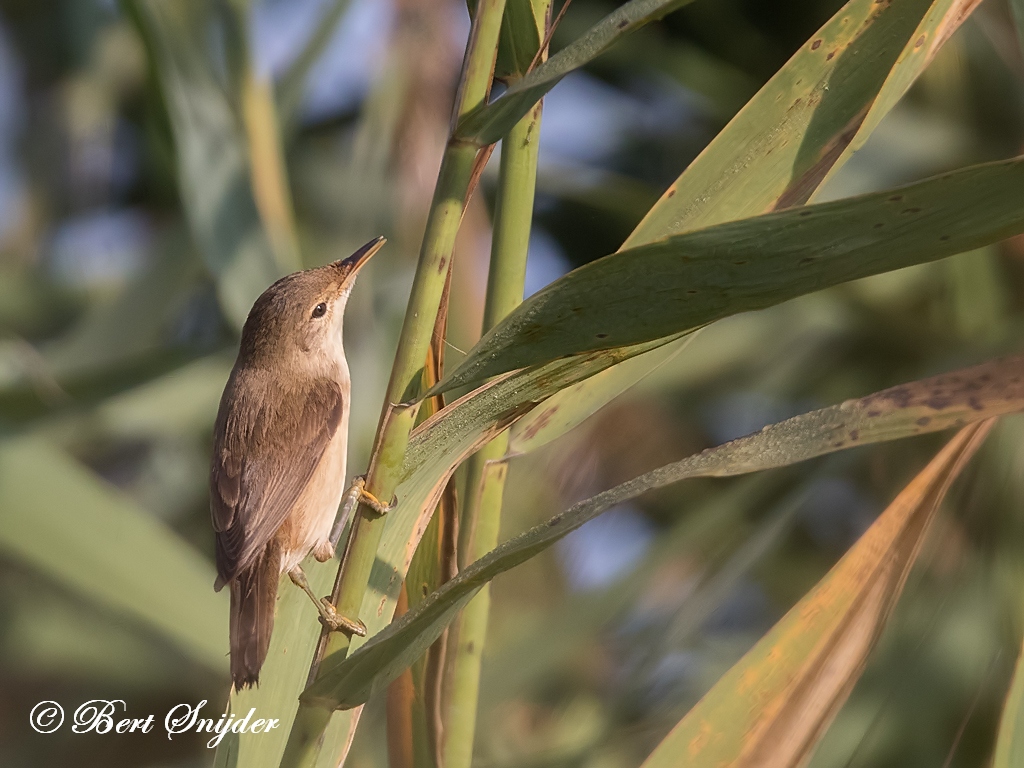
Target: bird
{"x":277,"y":475}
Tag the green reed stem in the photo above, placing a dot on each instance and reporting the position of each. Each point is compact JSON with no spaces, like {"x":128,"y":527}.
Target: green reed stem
{"x":513,"y":217}
{"x":428,"y":284}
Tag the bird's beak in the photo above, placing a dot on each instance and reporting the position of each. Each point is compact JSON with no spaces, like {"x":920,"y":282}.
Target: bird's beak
{"x":355,"y":262}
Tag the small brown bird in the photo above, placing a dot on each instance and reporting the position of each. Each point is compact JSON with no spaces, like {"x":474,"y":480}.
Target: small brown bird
{"x":280,"y":441}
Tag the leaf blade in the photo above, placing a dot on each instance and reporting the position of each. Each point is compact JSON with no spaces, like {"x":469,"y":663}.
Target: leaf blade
{"x":62,"y":520}
{"x":809,"y":118}
{"x":933,"y":404}
{"x":772,"y":706}
{"x":680,"y":283}
{"x":489,"y":122}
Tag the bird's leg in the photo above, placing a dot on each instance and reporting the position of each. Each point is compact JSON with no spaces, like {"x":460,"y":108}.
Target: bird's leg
{"x":355,"y":494}
{"x":328,"y":613}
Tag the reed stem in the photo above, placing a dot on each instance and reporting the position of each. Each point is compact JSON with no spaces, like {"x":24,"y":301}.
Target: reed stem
{"x":443,"y":220}
{"x":487,"y":470}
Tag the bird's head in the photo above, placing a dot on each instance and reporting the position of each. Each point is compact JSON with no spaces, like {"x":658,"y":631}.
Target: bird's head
{"x":299,"y":318}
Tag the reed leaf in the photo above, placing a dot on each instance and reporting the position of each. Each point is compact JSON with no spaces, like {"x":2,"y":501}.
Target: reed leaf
{"x":681,"y":283}
{"x":928,"y":405}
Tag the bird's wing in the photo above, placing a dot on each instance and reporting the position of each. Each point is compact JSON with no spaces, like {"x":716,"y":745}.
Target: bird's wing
{"x":267,"y":446}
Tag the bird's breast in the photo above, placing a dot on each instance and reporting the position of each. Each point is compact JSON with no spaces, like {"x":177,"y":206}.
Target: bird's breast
{"x":310,"y":521}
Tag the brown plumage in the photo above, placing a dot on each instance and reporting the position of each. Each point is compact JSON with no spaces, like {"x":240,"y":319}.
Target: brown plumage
{"x":280,"y":440}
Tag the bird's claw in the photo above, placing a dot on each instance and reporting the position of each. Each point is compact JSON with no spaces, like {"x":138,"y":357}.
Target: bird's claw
{"x":335,"y":622}
{"x":376,"y":504}
{"x":367,"y":498}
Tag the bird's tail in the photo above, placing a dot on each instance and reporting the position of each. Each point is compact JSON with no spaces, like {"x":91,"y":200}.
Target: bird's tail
{"x":253,"y":598}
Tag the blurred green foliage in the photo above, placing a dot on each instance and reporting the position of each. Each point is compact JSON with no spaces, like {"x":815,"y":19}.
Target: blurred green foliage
{"x":118,"y":326}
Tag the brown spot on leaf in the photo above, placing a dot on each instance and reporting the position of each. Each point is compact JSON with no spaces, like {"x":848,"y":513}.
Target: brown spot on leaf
{"x":920,"y":41}
{"x":854,"y":434}
{"x":672,"y":192}
{"x":816,"y":44}
{"x":900,"y":396}
{"x":533,"y":332}
{"x":924,"y":421}
{"x":895,"y":198}
{"x":831,"y":55}
{"x":939,"y":399}
{"x":943,"y":238}
{"x":602,"y":335}
{"x":542,"y":421}
{"x":623,"y":24}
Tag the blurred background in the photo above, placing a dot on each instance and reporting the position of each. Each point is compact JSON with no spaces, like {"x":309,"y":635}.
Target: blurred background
{"x":144,"y":203}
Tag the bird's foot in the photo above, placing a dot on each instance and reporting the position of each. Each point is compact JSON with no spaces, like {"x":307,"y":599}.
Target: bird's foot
{"x":335,"y":622}
{"x":355,"y":495}
{"x":363,"y":496}
{"x":329,"y":615}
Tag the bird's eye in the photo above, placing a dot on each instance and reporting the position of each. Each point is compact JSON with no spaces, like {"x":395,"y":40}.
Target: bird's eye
{"x":320,"y":310}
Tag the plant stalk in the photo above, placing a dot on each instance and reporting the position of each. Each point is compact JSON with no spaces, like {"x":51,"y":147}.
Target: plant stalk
{"x":487,"y":469}
{"x":393,"y":433}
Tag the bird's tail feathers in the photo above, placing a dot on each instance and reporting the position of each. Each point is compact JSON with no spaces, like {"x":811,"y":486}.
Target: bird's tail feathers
{"x":253,"y":600}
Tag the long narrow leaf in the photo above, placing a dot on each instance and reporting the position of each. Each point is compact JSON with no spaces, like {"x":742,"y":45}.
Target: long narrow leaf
{"x":683,"y":282}
{"x":569,"y":407}
{"x":804,"y":123}
{"x":776,"y":153}
{"x":489,"y":122}
{"x":928,"y":405}
{"x":771,"y":708}
{"x":62,"y":520}
{"x":213,"y":164}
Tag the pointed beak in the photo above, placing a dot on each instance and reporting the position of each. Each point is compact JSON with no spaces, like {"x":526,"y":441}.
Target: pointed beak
{"x":355,"y":262}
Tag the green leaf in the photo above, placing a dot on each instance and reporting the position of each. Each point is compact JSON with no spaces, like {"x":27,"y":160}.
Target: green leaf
{"x":521,"y":36}
{"x":928,"y":405}
{"x":806,"y":121}
{"x":704,"y":534}
{"x":212,"y":154}
{"x":489,"y":122}
{"x":772,"y":707}
{"x":778,"y":149}
{"x":58,"y":517}
{"x":101,"y":649}
{"x":683,"y":282}
{"x":571,"y":406}
{"x":284,"y":674}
